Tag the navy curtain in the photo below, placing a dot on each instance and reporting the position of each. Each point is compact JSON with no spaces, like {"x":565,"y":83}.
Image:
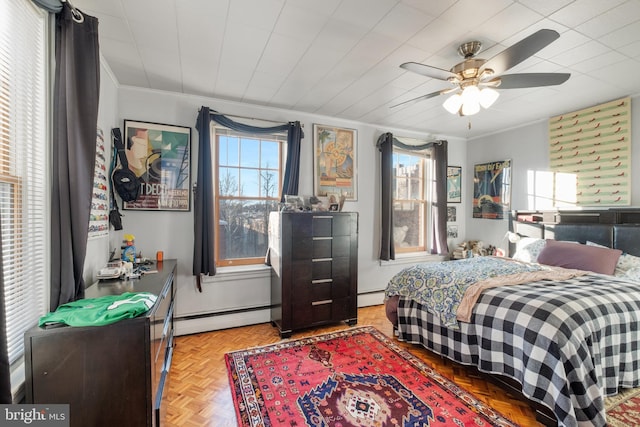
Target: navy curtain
{"x":292,"y":167}
{"x":385,"y":146}
{"x":438,"y":152}
{"x":204,"y":229}
{"x":75,"y":116}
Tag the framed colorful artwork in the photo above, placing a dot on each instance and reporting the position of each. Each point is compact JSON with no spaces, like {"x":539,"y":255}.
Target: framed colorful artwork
{"x":334,"y":161}
{"x":492,"y":189}
{"x":454,"y":184}
{"x":160,"y":157}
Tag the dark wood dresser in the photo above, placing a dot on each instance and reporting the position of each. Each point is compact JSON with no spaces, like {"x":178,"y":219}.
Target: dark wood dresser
{"x":111,"y":375}
{"x":314,"y":277}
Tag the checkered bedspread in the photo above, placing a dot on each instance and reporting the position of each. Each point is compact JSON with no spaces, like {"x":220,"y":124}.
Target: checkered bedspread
{"x":569,"y":343}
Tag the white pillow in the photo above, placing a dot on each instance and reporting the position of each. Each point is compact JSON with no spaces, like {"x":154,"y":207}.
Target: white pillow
{"x":528,"y":249}
{"x":632,"y":274}
{"x":625,"y":264}
{"x":590,"y":243}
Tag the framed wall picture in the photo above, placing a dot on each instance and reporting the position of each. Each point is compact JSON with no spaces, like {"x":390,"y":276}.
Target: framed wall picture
{"x":492,"y":189}
{"x":451,"y":214}
{"x":454,"y":184}
{"x":160,"y":156}
{"x":334,"y":161}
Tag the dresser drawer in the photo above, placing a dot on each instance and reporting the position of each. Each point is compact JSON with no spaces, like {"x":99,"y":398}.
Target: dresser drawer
{"x":312,"y":225}
{"x":321,"y":311}
{"x":311,"y":247}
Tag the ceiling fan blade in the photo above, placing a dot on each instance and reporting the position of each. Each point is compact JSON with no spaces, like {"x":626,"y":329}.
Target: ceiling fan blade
{"x":428,"y":70}
{"x":423,"y":97}
{"x":520,"y":51}
{"x":523,"y":80}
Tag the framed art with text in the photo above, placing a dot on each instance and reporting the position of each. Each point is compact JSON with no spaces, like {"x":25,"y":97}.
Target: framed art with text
{"x":334,"y":161}
{"x":454,"y":184}
{"x":492,"y":189}
{"x":160,"y":156}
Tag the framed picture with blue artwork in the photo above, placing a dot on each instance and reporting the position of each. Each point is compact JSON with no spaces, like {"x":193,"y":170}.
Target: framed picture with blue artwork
{"x":160,"y":156}
{"x":454,"y":184}
{"x":492,"y":189}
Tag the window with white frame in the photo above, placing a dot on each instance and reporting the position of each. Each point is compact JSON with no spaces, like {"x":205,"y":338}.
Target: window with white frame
{"x":23,"y":169}
{"x":248,"y":182}
{"x":410,"y":201}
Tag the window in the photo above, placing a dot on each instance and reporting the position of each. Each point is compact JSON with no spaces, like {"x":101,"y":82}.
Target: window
{"x":23,"y":168}
{"x":410,"y":195}
{"x":248,"y":182}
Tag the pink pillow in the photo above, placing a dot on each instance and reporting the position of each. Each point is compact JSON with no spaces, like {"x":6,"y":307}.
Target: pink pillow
{"x":578,"y":256}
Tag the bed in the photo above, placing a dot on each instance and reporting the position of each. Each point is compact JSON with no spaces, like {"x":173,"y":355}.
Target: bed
{"x":565,"y":341}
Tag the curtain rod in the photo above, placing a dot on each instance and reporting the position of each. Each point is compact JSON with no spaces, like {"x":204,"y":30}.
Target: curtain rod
{"x":251,"y":118}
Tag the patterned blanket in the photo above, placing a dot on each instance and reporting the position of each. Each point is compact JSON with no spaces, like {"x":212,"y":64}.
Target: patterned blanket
{"x":451,"y":288}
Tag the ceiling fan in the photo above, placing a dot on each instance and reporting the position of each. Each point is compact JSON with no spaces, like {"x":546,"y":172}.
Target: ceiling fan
{"x":474,"y":79}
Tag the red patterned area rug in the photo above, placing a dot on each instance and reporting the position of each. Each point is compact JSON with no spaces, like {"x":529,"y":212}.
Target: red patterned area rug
{"x":355,"y":377}
{"x":623,"y":409}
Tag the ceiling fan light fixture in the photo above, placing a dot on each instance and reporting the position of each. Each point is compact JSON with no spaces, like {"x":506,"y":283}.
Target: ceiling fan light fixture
{"x":471,"y":94}
{"x":473,"y":72}
{"x":453,"y":103}
{"x":470,"y":100}
{"x":488,"y":96}
{"x":470,"y":108}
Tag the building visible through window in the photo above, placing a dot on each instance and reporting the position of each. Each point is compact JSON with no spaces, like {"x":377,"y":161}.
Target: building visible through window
{"x":410,"y":201}
{"x":248,"y":184}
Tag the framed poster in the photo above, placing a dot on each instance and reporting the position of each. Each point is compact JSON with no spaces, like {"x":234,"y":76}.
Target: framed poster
{"x":454,"y":184}
{"x":160,"y":157}
{"x":451,"y":214}
{"x":492,"y":189}
{"x":334,"y":161}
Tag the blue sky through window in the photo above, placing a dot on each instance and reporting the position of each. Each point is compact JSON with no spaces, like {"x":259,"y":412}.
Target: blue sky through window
{"x":248,"y":166}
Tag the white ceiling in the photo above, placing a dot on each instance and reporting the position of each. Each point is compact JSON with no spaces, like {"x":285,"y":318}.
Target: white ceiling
{"x":340,"y":58}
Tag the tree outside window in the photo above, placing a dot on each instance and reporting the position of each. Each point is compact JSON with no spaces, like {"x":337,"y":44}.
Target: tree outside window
{"x":248,"y":183}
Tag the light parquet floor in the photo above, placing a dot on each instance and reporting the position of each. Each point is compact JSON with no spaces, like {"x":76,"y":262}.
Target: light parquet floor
{"x":198,"y":393}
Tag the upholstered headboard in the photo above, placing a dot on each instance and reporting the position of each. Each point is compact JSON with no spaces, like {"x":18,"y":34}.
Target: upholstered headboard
{"x":626,"y":237}
{"x":606,"y":227}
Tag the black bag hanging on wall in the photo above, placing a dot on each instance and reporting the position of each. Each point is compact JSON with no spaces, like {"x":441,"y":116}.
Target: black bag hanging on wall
{"x":115,"y":218}
{"x":125,"y":182}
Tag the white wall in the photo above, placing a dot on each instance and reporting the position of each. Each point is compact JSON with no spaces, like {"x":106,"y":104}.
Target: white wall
{"x":527,"y":147}
{"x":172,"y":232}
{"x":98,"y":248}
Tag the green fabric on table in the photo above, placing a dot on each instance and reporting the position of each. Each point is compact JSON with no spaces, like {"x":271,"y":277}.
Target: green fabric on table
{"x":100,"y":311}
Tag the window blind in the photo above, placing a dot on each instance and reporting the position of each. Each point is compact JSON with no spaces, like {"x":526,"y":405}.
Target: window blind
{"x":23,"y":167}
